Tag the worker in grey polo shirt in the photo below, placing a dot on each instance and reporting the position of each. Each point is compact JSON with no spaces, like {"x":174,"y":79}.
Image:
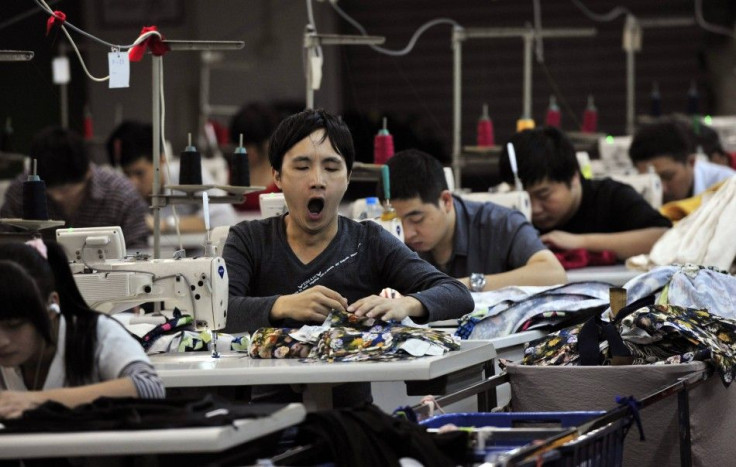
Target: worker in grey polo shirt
{"x":484,"y":245}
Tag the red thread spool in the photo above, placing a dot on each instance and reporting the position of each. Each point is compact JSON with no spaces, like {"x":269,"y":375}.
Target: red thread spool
{"x":554,"y":116}
{"x":383,"y":145}
{"x":590,"y":117}
{"x":485,"y":136}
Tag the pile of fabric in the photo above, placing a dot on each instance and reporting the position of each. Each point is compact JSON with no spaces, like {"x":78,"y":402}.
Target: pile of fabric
{"x":178,"y":334}
{"x":515,"y":309}
{"x":344,"y":337}
{"x":676,"y":314}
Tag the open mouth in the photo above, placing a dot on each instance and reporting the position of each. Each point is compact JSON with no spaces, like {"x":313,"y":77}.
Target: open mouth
{"x":315,"y":206}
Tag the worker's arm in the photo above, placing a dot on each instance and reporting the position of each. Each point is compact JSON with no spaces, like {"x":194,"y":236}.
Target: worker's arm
{"x":624,"y":244}
{"x":13,"y":403}
{"x":542,"y":268}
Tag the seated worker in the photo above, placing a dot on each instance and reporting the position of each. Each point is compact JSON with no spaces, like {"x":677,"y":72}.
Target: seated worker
{"x":78,"y":191}
{"x":52,"y":346}
{"x":572,"y":212}
{"x":293,"y":269}
{"x":462,"y":237}
{"x":710,"y":143}
{"x":256,"y":123}
{"x":668,"y":147}
{"x":129,"y":146}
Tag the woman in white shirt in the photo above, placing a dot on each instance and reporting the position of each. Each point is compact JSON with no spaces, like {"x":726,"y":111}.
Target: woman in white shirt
{"x":52,"y":346}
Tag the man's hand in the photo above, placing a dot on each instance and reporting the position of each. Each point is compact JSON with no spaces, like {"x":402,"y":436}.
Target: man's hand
{"x":311,"y":305}
{"x":387,"y":309}
{"x":563,"y":240}
{"x":14,"y":403}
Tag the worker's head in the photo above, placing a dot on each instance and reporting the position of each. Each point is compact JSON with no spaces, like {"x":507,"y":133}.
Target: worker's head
{"x":129,"y":146}
{"x":256,"y":122}
{"x":710,"y":143}
{"x":311,"y":155}
{"x":666,"y":147}
{"x":421,"y":198}
{"x":549,"y":170}
{"x":27,"y":296}
{"x":63,"y":163}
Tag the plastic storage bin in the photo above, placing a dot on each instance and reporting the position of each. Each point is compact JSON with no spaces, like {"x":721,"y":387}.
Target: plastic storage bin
{"x":497,"y":436}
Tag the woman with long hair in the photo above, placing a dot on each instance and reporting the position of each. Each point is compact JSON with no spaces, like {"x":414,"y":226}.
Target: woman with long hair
{"x":52,"y":346}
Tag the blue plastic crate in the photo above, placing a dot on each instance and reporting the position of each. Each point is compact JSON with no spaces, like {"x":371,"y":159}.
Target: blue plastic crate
{"x":523,"y":428}
{"x":512,"y":419}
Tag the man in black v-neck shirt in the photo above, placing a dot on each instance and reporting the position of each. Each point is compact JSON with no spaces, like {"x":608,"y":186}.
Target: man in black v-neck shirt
{"x":572,"y":212}
{"x":292,"y":270}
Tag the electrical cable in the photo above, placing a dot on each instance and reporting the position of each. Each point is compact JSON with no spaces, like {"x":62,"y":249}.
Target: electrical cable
{"x":412,"y":42}
{"x":700,"y":20}
{"x":558,"y":94}
{"x":167,"y":156}
{"x":605,"y":17}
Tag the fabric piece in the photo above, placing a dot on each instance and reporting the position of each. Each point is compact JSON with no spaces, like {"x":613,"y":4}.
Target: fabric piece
{"x":365,"y":436}
{"x":488,"y":239}
{"x":677,"y":210}
{"x":608,"y":206}
{"x":686,"y":333}
{"x":345,"y":338}
{"x":361,"y":260}
{"x":499,"y":313}
{"x":705,"y":237}
{"x":580,"y":258}
{"x":134,"y":414}
{"x":116,"y":349}
{"x":110,"y":199}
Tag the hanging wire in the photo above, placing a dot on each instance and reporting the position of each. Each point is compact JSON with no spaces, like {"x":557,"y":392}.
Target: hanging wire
{"x":605,"y":17}
{"x":412,"y":42}
{"x":560,"y":97}
{"x":700,"y":20}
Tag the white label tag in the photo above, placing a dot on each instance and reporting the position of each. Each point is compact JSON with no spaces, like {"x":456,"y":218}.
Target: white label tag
{"x":119,"y":69}
{"x":60,"y":70}
{"x":315,"y":65}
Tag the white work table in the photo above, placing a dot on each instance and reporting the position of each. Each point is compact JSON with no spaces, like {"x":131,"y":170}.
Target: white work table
{"x":201,"y":370}
{"x":143,"y":442}
{"x":616,"y":275}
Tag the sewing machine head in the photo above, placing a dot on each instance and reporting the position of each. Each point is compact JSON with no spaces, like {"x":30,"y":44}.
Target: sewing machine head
{"x":110,"y":283}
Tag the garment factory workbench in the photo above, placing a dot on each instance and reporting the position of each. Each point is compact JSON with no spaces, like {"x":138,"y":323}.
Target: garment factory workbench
{"x":143,"y":442}
{"x":426,"y":375}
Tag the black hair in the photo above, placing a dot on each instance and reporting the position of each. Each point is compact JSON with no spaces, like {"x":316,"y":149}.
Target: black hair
{"x":709,"y":141}
{"x":81,"y":322}
{"x":541,"y":154}
{"x":129,"y":142}
{"x":414,"y":173}
{"x":62,"y":157}
{"x":256,"y":122}
{"x":300,"y":125}
{"x":22,"y":299}
{"x":665,"y":138}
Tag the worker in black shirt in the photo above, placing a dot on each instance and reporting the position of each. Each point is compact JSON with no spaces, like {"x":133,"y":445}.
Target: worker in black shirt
{"x":572,"y":212}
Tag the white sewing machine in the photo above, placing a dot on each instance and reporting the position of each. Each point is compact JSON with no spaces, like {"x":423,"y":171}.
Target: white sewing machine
{"x":110,"y":282}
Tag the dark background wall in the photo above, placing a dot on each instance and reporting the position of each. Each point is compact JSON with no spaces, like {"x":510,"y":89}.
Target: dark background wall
{"x":415,"y":91}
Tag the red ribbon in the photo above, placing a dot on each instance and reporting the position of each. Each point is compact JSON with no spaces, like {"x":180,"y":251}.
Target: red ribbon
{"x":56,"y":20}
{"x":153,"y":42}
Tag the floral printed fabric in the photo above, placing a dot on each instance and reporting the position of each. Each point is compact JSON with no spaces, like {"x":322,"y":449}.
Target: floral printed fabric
{"x":345,"y":337}
{"x":662,"y":334}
